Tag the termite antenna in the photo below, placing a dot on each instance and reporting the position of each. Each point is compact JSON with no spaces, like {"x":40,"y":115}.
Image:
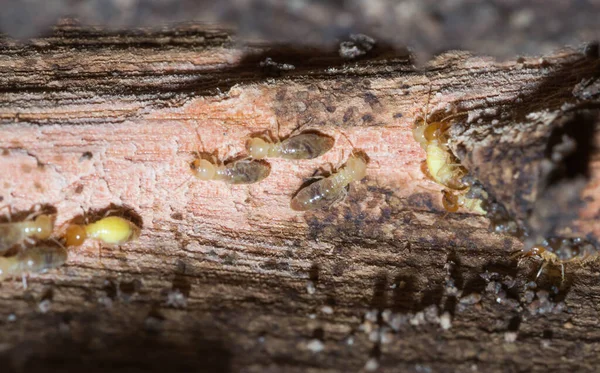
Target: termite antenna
{"x":184,"y":183}
{"x":199,"y":138}
{"x":427,"y":104}
{"x":347,"y":139}
{"x":300,"y":126}
{"x":354,"y":150}
{"x":278,"y":130}
{"x":455,"y":115}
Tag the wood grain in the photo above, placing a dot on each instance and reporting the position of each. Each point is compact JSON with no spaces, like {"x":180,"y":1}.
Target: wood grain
{"x":246,"y":263}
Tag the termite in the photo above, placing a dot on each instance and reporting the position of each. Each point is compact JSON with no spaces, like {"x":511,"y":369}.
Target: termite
{"x":452,"y":201}
{"x":243,"y":171}
{"x":331,"y":189}
{"x":559,"y":250}
{"x":424,"y":132}
{"x":36,"y":259}
{"x":442,"y":167}
{"x":548,"y":257}
{"x":306,"y":145}
{"x":111,"y":230}
{"x":14,"y":233}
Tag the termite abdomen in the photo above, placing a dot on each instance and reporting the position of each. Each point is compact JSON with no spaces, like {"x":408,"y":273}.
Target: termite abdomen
{"x":18,"y":233}
{"x":235,"y":172}
{"x":35,"y":259}
{"x":244,"y":172}
{"x":321,"y":193}
{"x":328,"y":190}
{"x":306,"y":146}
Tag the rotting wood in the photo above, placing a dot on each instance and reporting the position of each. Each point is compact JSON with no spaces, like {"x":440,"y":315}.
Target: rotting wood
{"x":266,"y":288}
{"x":539,"y":157}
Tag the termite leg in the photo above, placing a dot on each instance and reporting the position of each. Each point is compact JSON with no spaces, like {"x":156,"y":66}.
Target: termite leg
{"x":108,"y":212}
{"x":518,"y":254}
{"x":314,"y":176}
{"x":33,"y":215}
{"x":341,"y":197}
{"x":291,"y":133}
{"x":450,"y":167}
{"x":323,"y":171}
{"x":57,"y":242}
{"x":229,"y":153}
{"x":544,"y":264}
{"x":332,"y":168}
{"x":428,"y":100}
{"x":214,"y":158}
{"x":339,"y":163}
{"x":7,"y":213}
{"x":445,"y":215}
{"x":586,"y":259}
{"x":519,"y":262}
{"x":275,"y":140}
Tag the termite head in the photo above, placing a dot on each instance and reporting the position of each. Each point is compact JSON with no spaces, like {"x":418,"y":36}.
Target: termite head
{"x":203,"y":169}
{"x":357,"y":166}
{"x":537,"y":250}
{"x":258,"y":148}
{"x":436,"y":131}
{"x":75,"y":235}
{"x":44,"y":224}
{"x":450,"y":201}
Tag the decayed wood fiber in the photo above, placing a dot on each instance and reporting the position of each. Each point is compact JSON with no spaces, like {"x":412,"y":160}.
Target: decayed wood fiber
{"x":510,"y":151}
{"x":266,"y":288}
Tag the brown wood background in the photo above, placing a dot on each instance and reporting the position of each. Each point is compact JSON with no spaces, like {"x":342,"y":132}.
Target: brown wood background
{"x":384,"y":264}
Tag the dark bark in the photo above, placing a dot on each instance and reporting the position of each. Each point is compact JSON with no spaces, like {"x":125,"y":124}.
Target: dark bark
{"x":499,"y":27}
